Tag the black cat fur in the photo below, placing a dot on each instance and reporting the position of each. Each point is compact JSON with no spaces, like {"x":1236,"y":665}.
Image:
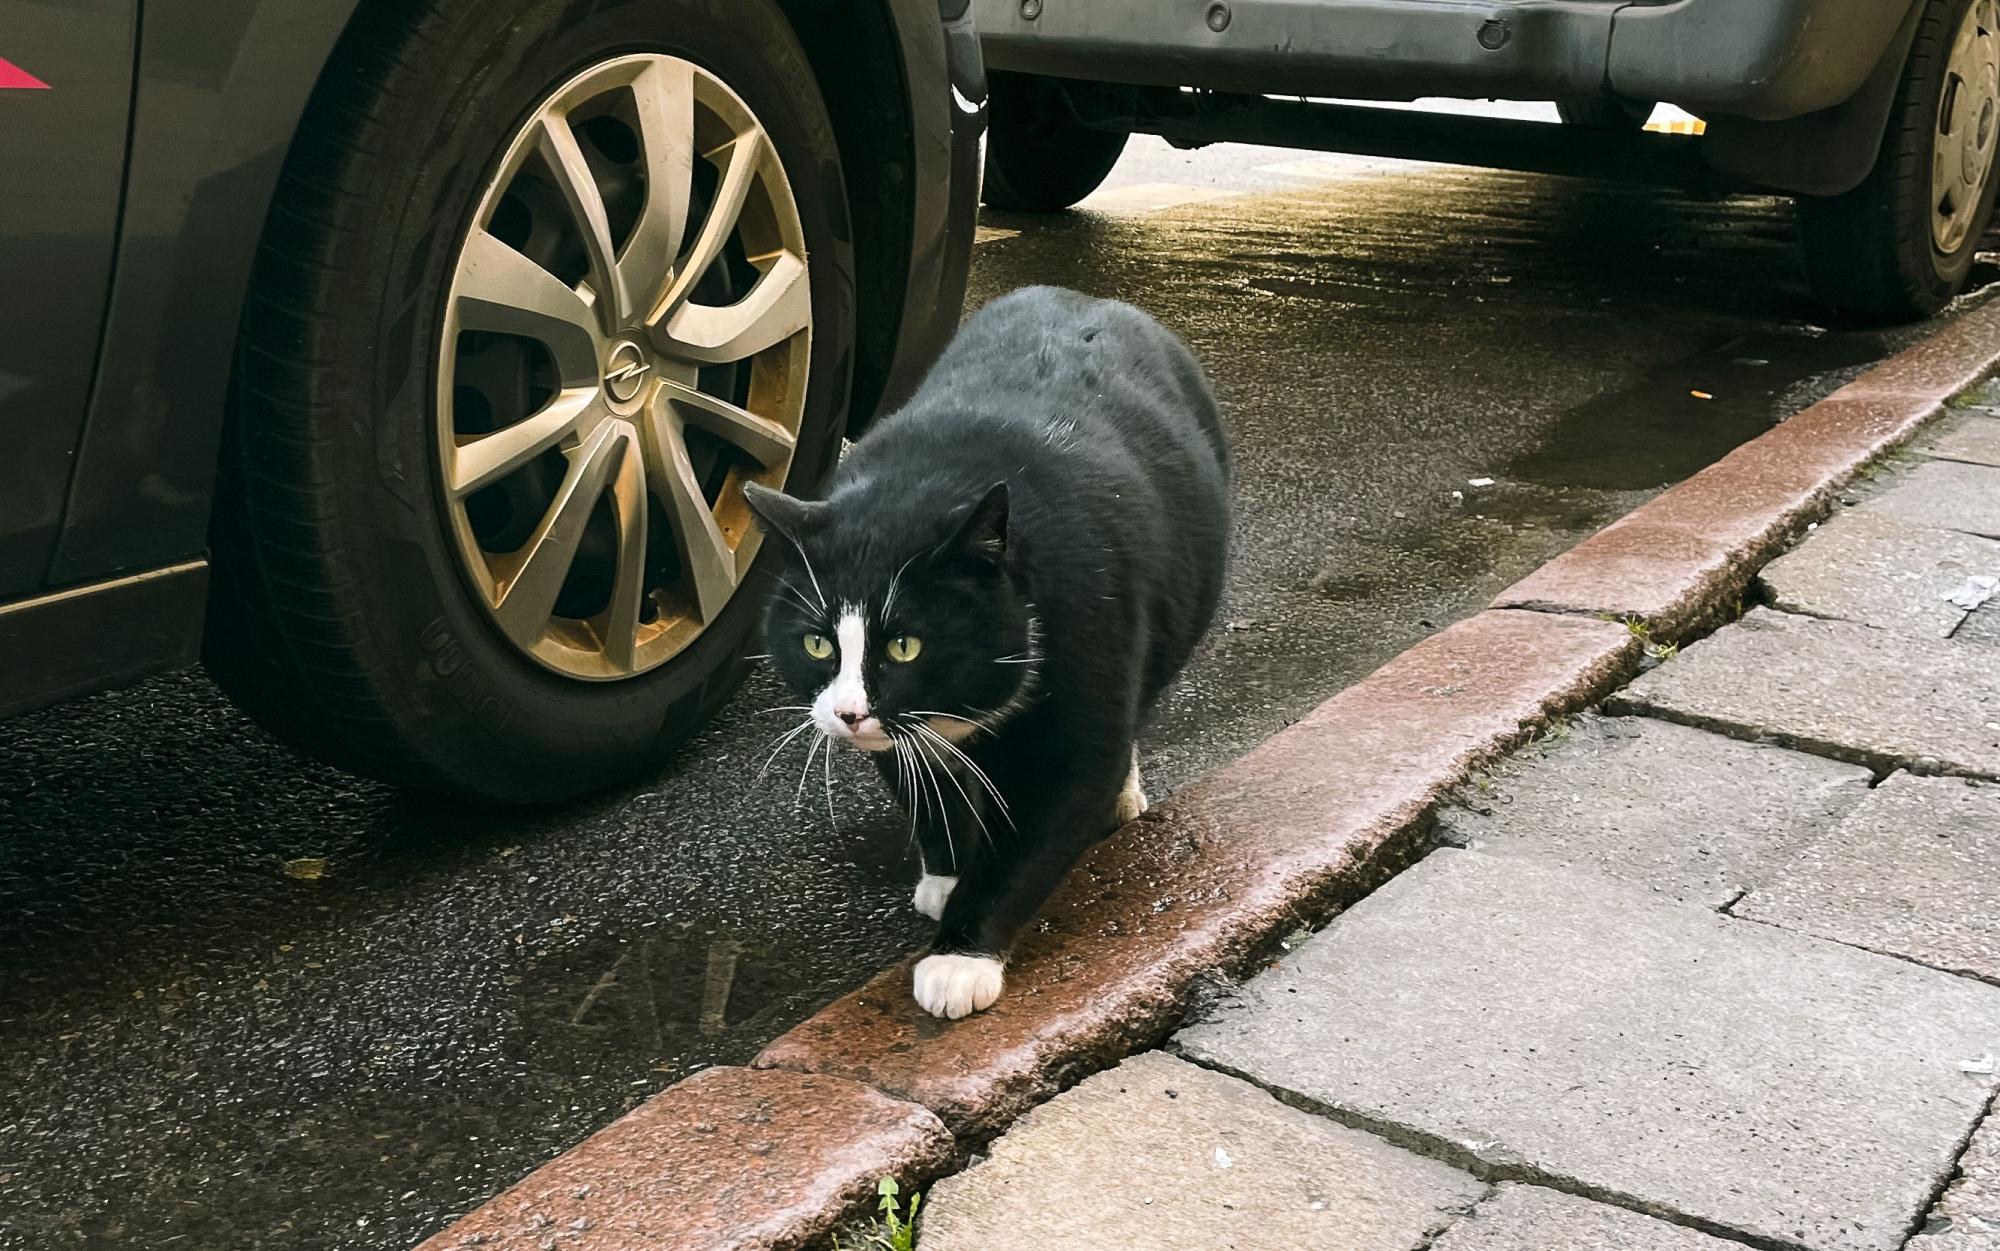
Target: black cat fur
{"x":1049,"y":517}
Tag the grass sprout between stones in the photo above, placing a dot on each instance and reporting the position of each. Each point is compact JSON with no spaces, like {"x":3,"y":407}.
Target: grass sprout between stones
{"x":1638,"y":629}
{"x":894,"y":1230}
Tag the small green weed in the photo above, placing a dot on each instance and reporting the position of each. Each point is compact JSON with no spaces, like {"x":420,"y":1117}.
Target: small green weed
{"x":1547,"y":735}
{"x":1644,"y":633}
{"x":895,"y":1229}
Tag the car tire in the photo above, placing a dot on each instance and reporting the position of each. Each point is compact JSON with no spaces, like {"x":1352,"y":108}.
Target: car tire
{"x":1039,"y":158}
{"x":1623,"y":116}
{"x":347,"y":613}
{"x":1889,"y":249}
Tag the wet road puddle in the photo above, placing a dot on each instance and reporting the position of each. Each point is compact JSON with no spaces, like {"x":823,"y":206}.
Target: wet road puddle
{"x":1600,"y":459}
{"x":1689,"y":413}
{"x":650,"y":997}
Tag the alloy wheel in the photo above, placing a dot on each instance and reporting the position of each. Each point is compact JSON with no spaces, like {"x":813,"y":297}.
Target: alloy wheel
{"x":1967,"y":127}
{"x":626,"y":341}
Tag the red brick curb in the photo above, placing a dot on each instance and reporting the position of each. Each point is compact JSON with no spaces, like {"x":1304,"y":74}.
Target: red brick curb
{"x":1683,"y":559}
{"x":727,"y":1160}
{"x":1319,"y":813}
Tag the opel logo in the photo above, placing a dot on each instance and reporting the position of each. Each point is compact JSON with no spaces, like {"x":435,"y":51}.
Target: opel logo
{"x":625,"y":371}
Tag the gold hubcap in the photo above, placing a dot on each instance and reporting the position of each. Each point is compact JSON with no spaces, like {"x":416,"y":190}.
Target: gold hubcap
{"x":626,"y":341}
{"x":1962,"y":148}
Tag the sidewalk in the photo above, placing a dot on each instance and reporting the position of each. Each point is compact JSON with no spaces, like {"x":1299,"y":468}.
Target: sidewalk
{"x":1716,"y":965}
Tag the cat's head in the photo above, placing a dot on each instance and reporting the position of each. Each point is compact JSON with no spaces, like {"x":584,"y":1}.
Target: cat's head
{"x":897,"y":630}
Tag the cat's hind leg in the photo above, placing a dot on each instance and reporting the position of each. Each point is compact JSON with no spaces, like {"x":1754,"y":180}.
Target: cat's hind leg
{"x":1132,"y":800}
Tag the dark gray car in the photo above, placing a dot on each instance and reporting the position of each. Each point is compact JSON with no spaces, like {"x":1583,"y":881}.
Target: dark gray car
{"x":1879,"y":115}
{"x":407,"y":358}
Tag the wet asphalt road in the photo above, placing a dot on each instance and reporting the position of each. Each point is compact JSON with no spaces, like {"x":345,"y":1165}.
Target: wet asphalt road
{"x":202,"y":1048}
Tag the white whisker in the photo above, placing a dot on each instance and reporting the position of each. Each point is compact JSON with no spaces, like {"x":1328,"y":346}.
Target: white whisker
{"x":826,"y":771}
{"x":889,"y":601}
{"x":784,"y":741}
{"x":949,"y":716}
{"x":807,"y":560}
{"x":978,"y":773}
{"x":800,"y":596}
{"x":799,"y":792}
{"x":944,"y":816}
{"x":970,"y":807}
{"x":906,"y":785}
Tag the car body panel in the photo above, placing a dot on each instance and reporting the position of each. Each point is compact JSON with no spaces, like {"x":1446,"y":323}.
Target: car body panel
{"x":1357,"y":49}
{"x":221,"y":86}
{"x":1768,"y":59}
{"x":62,"y":159}
{"x":77,"y":640}
{"x":1771,"y":60}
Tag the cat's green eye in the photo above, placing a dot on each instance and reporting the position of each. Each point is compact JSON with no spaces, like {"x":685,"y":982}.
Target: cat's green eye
{"x":904,"y":648}
{"x":819,"y":646}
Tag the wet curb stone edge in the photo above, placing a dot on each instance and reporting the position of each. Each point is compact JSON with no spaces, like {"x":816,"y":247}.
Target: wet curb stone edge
{"x":725,"y":1158}
{"x":1205,"y":886}
{"x":1681,"y":561}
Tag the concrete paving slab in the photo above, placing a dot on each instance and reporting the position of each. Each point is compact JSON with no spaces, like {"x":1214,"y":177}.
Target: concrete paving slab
{"x":1967,"y":1215}
{"x":1836,"y":689}
{"x":1873,"y":568}
{"x":1162,"y":1155}
{"x":1540,"y":1023}
{"x":1973,"y":436}
{"x":1950,"y":495}
{"x":1692,"y":815}
{"x":1982,"y":628}
{"x":1910,"y":872}
{"x":1534,"y":1218}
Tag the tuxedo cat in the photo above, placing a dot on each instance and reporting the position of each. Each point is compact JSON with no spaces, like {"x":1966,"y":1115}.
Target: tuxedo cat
{"x":1001,"y":579}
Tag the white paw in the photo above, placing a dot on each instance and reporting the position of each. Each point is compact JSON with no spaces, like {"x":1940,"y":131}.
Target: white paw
{"x":932,"y":891}
{"x":956,"y":986}
{"x":1132,"y":800}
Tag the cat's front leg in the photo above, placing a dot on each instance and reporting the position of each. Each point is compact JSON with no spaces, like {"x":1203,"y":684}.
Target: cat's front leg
{"x":983,"y":914}
{"x":946,"y":825}
{"x":933,"y":889}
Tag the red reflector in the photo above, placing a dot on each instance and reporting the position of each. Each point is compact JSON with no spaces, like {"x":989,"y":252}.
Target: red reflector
{"x":14,"y":78}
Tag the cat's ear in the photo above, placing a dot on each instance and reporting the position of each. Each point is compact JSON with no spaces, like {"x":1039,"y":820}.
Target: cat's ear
{"x":783,"y":514}
{"x":983,"y":533}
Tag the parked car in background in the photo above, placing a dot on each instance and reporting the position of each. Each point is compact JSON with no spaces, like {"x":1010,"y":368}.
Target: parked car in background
{"x":407,"y":358}
{"x":1878,"y":115}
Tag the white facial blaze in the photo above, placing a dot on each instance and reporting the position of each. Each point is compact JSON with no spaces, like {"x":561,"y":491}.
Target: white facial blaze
{"x":841,"y":709}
